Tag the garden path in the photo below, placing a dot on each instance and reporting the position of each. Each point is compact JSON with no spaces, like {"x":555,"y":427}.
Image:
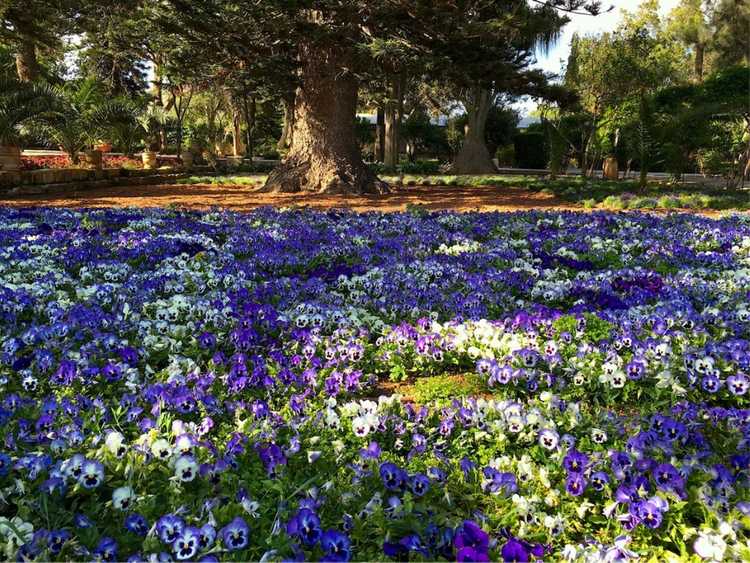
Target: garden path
{"x":246,"y":198}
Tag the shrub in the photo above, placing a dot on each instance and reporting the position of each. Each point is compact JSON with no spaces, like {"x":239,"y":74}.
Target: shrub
{"x":669,"y":202}
{"x":614,"y":202}
{"x":530,"y":150}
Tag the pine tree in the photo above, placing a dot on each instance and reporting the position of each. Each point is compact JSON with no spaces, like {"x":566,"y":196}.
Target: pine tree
{"x":327,"y":46}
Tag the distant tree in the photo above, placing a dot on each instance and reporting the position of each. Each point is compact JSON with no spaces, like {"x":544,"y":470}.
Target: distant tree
{"x":731,"y":40}
{"x":327,"y":47}
{"x":615,"y":74}
{"x":690,"y":22}
{"x":690,"y":117}
{"x":500,"y":125}
{"x":31,"y":26}
{"x":112,"y":50}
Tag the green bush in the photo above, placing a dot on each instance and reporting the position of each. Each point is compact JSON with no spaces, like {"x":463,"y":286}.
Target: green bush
{"x":506,"y":155}
{"x":530,"y":150}
{"x":643,"y":203}
{"x":614,"y":202}
{"x":669,"y":202}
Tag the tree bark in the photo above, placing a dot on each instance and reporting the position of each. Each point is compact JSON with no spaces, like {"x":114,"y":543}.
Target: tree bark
{"x":380,"y":135}
{"x":27,"y":65}
{"x":390,"y":148}
{"x":392,"y":122}
{"x":286,"y":132}
{"x":249,"y":110}
{"x":643,"y":149}
{"x":474,"y":158}
{"x":238,"y":149}
{"x":700,"y":50}
{"x":324,"y":156}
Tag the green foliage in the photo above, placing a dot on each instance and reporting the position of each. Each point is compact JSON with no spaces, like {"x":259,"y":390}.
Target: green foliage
{"x":506,"y":155}
{"x":71,"y":123}
{"x":20,"y":104}
{"x":731,"y":40}
{"x":530,"y":149}
{"x":595,"y":328}
{"x":443,"y":388}
{"x":119,"y":121}
{"x":230,"y":179}
{"x":423,"y":136}
{"x":153,"y":121}
{"x":705,"y":122}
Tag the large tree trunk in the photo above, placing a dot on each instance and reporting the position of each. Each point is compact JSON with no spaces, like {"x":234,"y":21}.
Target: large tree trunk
{"x":238,"y":148}
{"x":27,"y":65}
{"x":286,"y":132}
{"x":474,"y":158}
{"x":700,"y":50}
{"x":643,"y":149}
{"x":380,"y":135}
{"x":324,"y":156}
{"x":390,"y":152}
{"x":392,"y":123}
{"x":249,"y":107}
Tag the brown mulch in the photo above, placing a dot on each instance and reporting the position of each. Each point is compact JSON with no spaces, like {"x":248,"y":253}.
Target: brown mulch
{"x":245,"y":198}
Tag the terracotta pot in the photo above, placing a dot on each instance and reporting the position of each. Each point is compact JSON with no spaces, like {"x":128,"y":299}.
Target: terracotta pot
{"x":93,"y":159}
{"x":610,"y":169}
{"x":10,"y":157}
{"x":187,"y":159}
{"x":149,"y":159}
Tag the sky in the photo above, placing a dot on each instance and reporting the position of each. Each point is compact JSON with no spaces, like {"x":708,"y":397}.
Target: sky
{"x":555,"y":60}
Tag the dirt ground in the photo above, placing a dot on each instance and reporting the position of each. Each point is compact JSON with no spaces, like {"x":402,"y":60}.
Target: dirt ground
{"x":245,"y":198}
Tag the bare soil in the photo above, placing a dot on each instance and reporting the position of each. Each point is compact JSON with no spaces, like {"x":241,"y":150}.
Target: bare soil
{"x":245,"y":198}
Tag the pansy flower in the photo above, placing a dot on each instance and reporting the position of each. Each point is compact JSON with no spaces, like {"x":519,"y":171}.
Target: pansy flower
{"x":305,"y":525}
{"x":336,"y":546}
{"x":235,"y":535}
{"x":91,"y":474}
{"x":187,"y":544}
{"x":393,"y":477}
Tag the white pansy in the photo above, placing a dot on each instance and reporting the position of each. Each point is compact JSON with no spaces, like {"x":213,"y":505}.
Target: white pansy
{"x":710,"y":546}
{"x":122,"y":498}
{"x":115,"y":443}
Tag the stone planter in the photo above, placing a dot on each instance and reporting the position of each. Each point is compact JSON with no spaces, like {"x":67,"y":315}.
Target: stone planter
{"x":187,"y":159}
{"x":10,"y":158}
{"x":93,"y":159}
{"x":610,"y":169}
{"x":149,"y":160}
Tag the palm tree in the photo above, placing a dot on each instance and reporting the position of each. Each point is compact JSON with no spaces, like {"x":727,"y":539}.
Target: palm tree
{"x":121,"y":122}
{"x":71,"y":122}
{"x":20,"y":104}
{"x":154,"y":121}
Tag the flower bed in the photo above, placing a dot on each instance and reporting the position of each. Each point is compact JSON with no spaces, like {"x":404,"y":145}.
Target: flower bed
{"x":44,"y":162}
{"x":108,"y":161}
{"x":207,"y":386}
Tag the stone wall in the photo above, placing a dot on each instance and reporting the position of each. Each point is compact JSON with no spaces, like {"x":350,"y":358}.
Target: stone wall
{"x":67,"y":180}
